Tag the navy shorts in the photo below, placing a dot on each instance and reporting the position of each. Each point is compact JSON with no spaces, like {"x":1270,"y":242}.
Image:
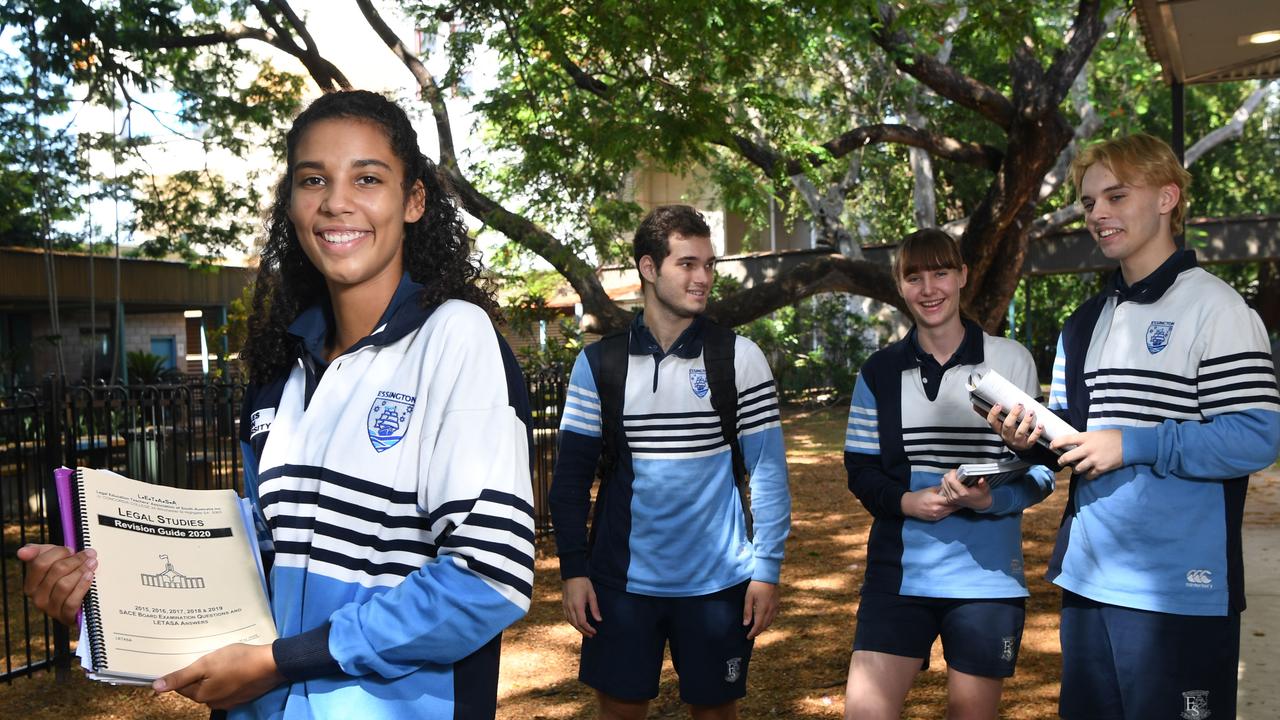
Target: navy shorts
{"x":709,"y":645}
{"x":1132,"y":664}
{"x":979,"y":637}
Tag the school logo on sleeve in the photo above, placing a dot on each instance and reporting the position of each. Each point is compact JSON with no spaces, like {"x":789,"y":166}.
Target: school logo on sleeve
{"x":388,"y":419}
{"x":698,"y":379}
{"x":260,"y":421}
{"x":1158,"y":333}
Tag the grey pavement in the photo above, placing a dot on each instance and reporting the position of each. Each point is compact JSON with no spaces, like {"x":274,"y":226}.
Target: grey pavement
{"x":1258,"y":697}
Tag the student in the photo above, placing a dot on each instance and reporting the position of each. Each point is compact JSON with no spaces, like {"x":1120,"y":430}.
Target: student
{"x":1168,"y":372}
{"x":384,"y":451}
{"x":671,"y":556}
{"x":942,"y":558}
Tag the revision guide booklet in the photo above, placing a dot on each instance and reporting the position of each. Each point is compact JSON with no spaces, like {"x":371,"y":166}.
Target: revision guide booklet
{"x":178,"y":576}
{"x":996,"y":473}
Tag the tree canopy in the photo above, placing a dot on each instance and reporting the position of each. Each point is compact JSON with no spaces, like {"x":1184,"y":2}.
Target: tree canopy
{"x":865,"y":119}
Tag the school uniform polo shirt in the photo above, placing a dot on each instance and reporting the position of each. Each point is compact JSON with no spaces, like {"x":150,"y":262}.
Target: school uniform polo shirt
{"x":1181,"y":366}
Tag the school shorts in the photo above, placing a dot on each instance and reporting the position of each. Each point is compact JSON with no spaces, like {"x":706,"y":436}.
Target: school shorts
{"x":709,"y":645}
{"x":979,"y":637}
{"x":1121,"y":663}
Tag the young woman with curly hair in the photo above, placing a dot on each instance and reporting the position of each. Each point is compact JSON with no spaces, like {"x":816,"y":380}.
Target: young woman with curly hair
{"x":386,"y":445}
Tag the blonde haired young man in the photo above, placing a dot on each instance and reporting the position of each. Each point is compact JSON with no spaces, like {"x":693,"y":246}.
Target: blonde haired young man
{"x":1169,"y":374}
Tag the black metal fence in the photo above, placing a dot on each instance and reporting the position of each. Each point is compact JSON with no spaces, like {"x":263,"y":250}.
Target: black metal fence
{"x":182,"y":434}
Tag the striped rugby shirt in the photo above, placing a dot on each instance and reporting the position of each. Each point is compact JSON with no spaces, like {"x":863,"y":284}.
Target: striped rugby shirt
{"x":672,"y":523}
{"x":903,"y":436}
{"x":393,"y":486}
{"x":1182,"y":367}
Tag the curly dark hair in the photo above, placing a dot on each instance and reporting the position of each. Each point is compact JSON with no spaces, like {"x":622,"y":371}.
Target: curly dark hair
{"x":437,"y":252}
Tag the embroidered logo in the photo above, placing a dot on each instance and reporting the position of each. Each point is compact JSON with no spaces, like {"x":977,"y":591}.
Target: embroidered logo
{"x":260,"y":421}
{"x":389,"y":419}
{"x":733,"y":669}
{"x":1200,"y":578}
{"x":1195,"y":705}
{"x":698,"y":379}
{"x":1006,"y":651}
{"x":1158,"y":333}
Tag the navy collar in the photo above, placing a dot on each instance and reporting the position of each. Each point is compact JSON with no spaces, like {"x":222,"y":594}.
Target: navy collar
{"x":1152,"y":287}
{"x":687,"y":346}
{"x":970,"y":351}
{"x":403,"y":313}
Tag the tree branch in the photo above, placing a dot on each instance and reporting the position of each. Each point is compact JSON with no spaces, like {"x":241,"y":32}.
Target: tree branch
{"x":426,"y":81}
{"x":325,"y":73}
{"x":603,"y":313}
{"x":1233,"y":129}
{"x":968,"y":153}
{"x":1086,"y":30}
{"x":830,"y":273}
{"x":941,"y":77}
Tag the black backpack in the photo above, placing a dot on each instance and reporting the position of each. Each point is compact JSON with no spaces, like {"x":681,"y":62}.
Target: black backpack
{"x":611,"y":382}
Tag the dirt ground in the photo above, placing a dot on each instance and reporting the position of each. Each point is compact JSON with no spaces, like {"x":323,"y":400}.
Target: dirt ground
{"x":798,"y":668}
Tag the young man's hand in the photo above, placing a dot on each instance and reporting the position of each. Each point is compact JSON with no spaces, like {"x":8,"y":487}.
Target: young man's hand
{"x":57,"y":579}
{"x":225,"y":678}
{"x":974,"y":497}
{"x":578,"y":597}
{"x":760,"y":607}
{"x":1095,"y":453}
{"x":1018,"y":429}
{"x":927,"y":504}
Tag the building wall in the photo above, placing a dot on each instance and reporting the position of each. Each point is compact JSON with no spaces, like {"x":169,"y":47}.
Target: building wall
{"x":731,"y":234}
{"x":140,"y":328}
{"x":78,"y":344}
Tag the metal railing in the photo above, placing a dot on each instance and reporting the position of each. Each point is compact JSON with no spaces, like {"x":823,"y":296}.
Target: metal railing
{"x":182,"y":434}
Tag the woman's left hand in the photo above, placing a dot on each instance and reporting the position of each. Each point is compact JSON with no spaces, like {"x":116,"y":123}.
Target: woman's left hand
{"x":225,"y":678}
{"x":974,"y":497}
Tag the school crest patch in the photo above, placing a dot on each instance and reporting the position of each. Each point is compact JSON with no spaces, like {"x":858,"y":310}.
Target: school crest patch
{"x":389,"y":419}
{"x":1158,"y":333}
{"x":698,"y":380}
{"x":733,"y":669}
{"x":1195,"y":705}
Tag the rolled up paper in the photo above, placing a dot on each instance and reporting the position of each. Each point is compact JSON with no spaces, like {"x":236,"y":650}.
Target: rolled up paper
{"x":990,"y":388}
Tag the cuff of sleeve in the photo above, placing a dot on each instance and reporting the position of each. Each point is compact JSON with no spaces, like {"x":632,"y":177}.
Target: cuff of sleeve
{"x":894,"y":506}
{"x":767,"y":570}
{"x":1140,"y":445}
{"x":573,"y":565}
{"x":1001,"y":500}
{"x":305,"y":656}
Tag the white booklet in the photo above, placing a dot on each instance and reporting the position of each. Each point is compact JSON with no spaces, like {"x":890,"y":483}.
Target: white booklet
{"x":988,"y":388}
{"x":178,"y":577}
{"x":995,"y":473}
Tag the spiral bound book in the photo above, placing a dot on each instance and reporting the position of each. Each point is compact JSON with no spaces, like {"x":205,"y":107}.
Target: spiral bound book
{"x":178,"y":577}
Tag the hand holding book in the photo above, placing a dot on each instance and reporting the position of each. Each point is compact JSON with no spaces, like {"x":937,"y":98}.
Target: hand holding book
{"x":143,"y":617}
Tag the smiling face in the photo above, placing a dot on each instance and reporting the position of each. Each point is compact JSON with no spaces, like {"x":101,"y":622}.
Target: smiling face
{"x":1129,"y":221}
{"x":681,"y":285}
{"x":933,"y":296}
{"x":348,"y":205}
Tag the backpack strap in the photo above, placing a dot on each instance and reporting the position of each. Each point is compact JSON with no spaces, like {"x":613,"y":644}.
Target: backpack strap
{"x":611,"y":382}
{"x":718,"y":355}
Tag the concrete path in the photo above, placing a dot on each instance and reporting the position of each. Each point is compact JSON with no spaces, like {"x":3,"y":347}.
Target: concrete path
{"x":1259,"y":691}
